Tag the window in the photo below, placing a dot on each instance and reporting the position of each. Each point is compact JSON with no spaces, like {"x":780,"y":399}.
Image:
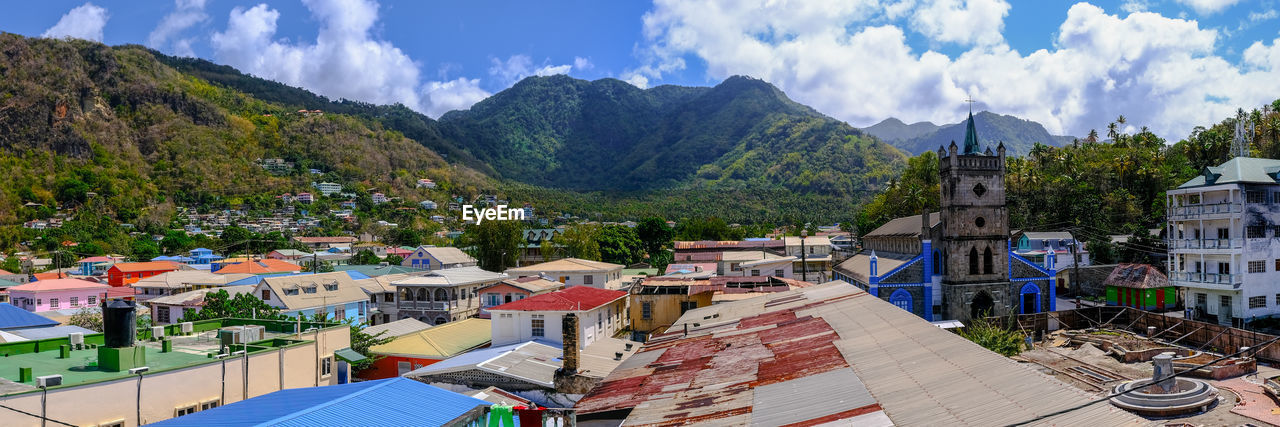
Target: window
{"x":75,"y":301}
{"x":646,"y":310}
{"x":266,"y":295}
{"x":987,"y":263}
{"x":403,"y":367}
{"x":588,"y":279}
{"x":537,"y":326}
{"x":1277,"y":299}
{"x":1257,"y":302}
{"x":1255,"y":197}
{"x":599,"y":320}
{"x":1278,"y":260}
{"x":1224,"y":233}
{"x":94,"y":300}
{"x":360,"y":308}
{"x":209,"y":404}
{"x":1257,"y":266}
{"x":1224,"y":299}
{"x":778,"y":272}
{"x":293,"y":291}
{"x":309,"y":289}
{"x":687,"y":305}
{"x":755,"y":272}
{"x":1255,"y":232}
{"x":492,"y":299}
{"x":811,"y":250}
{"x":979,"y":189}
{"x":53,"y":302}
{"x":980,"y":222}
{"x":180,"y":411}
{"x":162,"y":313}
{"x":331,"y":287}
{"x":373,"y":299}
{"x":1224,"y":268}
{"x":326,"y":366}
{"x":116,"y":423}
{"x":973,"y":260}
{"x":563,"y":278}
{"x":1202,"y":299}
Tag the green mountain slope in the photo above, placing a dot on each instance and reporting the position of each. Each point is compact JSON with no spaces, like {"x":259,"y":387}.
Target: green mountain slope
{"x":78,"y":117}
{"x":1018,"y":135}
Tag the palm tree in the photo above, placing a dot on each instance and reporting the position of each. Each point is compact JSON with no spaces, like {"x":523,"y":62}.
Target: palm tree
{"x":1093,"y":136}
{"x":1111,"y":131}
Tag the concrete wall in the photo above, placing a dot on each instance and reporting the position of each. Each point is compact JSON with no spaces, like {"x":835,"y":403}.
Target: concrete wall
{"x":42,"y":301}
{"x":665,"y":309}
{"x":593,"y":324}
{"x":163,"y":392}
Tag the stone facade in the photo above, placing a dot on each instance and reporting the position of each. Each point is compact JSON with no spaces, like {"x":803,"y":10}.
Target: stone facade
{"x":975,"y":234}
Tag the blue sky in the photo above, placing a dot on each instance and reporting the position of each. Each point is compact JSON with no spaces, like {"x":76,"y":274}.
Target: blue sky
{"x":1072,"y":66}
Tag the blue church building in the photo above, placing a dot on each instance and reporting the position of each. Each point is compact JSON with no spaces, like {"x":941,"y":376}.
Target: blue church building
{"x":957,"y":263}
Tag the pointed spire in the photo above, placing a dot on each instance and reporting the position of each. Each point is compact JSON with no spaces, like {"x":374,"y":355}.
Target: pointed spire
{"x":970,"y":137}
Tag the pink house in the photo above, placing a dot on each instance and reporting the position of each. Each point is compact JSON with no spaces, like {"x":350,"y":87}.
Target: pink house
{"x":55,"y":294}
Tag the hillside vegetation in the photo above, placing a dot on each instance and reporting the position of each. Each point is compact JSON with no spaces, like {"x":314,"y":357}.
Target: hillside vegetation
{"x":1018,"y":135}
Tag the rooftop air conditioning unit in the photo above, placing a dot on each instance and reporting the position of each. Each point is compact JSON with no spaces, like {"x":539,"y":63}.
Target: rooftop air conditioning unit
{"x":187,"y":328}
{"x":49,"y":381}
{"x":76,"y":338}
{"x":157,"y":332}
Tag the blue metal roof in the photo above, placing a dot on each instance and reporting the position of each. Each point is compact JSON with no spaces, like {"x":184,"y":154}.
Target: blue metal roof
{"x":389,"y":402}
{"x":254,"y":280}
{"x":12,"y":317}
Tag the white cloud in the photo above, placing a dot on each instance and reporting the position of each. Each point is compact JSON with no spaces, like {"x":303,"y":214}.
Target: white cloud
{"x":1208,"y":7}
{"x":1263,"y":16}
{"x":1132,"y":6}
{"x":83,"y":22}
{"x":1157,"y":71}
{"x":582,"y":63}
{"x":344,"y":61}
{"x":186,"y":14}
{"x":517,"y":67}
{"x":963,"y":22}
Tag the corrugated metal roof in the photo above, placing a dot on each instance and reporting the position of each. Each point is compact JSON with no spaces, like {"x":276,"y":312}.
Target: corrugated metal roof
{"x":859,"y":266}
{"x":389,"y":402}
{"x":577,"y":298}
{"x":447,"y":255}
{"x":50,"y":332}
{"x":739,"y":358}
{"x":1239,"y":169}
{"x":566,"y":264}
{"x":12,"y":317}
{"x":1137,"y":276}
{"x":905,"y":226}
{"x":398,"y":328}
{"x":440,"y":342}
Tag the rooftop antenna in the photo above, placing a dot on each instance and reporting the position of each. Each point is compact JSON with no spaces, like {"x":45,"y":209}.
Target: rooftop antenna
{"x":1243,"y":133}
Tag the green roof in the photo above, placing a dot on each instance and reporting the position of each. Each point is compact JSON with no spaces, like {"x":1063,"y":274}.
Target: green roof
{"x":349,"y":355}
{"x":1237,"y":170}
{"x":377,"y":270}
{"x":76,"y":370}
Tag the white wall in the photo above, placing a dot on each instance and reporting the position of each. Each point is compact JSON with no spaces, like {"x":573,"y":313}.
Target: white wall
{"x":511,"y":327}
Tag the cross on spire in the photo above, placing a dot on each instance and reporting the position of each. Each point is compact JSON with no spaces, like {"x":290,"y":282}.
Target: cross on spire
{"x":969,"y":99}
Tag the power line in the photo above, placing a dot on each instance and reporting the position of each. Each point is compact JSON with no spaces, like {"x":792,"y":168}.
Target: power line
{"x":36,"y":416}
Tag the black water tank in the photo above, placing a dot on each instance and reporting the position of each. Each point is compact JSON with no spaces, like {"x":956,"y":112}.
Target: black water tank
{"x":119,"y":328}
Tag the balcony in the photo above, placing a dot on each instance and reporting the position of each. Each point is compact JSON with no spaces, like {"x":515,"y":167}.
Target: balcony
{"x":424,"y":305}
{"x":1231,"y":280}
{"x":1236,"y":243}
{"x":1201,"y":211}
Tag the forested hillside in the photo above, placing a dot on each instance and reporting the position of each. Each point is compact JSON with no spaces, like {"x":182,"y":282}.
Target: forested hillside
{"x":1018,"y":135}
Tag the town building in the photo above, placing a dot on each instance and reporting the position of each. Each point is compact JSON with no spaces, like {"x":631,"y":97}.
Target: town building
{"x":428,"y":205}
{"x":1140,"y":286}
{"x":327,"y":188}
{"x":685,"y":250}
{"x":812,"y":257}
{"x":1033,"y":245}
{"x":57,"y":294}
{"x":14,"y":318}
{"x":443,"y":295}
{"x":382,"y":296}
{"x":438,"y":258}
{"x":957,"y":264}
{"x":202,"y":256}
{"x":514,"y":289}
{"x":334,"y":295}
{"x":601,"y":314}
{"x":287,"y":254}
{"x":531,"y":251}
{"x":829,"y":354}
{"x":426,"y":183}
{"x":176,"y":282}
{"x":125,"y":273}
{"x":324,"y":243}
{"x":657,"y":302}
{"x":378,"y":198}
{"x":96,"y":265}
{"x":362,"y":403}
{"x":730,"y":263}
{"x":574,"y":272}
{"x":1220,"y":238}
{"x":305,"y":198}
{"x":261,"y":266}
{"x":184,"y":372}
{"x":170,"y":309}
{"x":423,"y":348}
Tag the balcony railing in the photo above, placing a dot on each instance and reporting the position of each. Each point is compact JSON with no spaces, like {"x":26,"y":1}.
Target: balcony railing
{"x":1205,"y":243}
{"x":425,"y":305}
{"x":1211,"y":278}
{"x":1197,"y":211}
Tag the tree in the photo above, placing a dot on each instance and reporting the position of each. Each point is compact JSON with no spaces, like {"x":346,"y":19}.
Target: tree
{"x":580,"y":241}
{"x":365,"y":257}
{"x":361,"y":342}
{"x":494,"y":244}
{"x":144,"y":249}
{"x":393,"y":259}
{"x":175,"y":241}
{"x":236,"y":238}
{"x":87,"y":318}
{"x":619,"y":244}
{"x":655,"y":236}
{"x":992,"y":337}
{"x":219,"y":304}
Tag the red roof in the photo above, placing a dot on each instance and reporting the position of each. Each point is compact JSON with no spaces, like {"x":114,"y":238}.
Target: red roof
{"x":577,"y":298}
{"x":4,"y":273}
{"x":130,"y":267}
{"x":121,"y":292}
{"x":57,"y":285}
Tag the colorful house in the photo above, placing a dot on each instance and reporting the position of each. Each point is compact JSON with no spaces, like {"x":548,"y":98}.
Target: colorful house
{"x":437,"y":258}
{"x":1140,"y":286}
{"x":601,"y":313}
{"x":93,"y":266}
{"x":204,"y":256}
{"x":125,"y":273}
{"x":514,"y":290}
{"x":57,"y":294}
{"x":413,"y":351}
{"x":262,"y":266}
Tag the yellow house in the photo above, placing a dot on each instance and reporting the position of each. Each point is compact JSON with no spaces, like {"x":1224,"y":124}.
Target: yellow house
{"x":657,"y":302}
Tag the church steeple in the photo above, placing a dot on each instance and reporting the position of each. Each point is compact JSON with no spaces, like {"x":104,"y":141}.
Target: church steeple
{"x":971,"y":137}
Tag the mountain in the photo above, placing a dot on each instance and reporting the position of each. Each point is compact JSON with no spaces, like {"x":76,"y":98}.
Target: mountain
{"x":1018,"y":135}
{"x":606,"y":134}
{"x":892,"y":129}
{"x":82,"y":123}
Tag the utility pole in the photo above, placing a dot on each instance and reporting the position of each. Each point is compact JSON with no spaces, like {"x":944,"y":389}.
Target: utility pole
{"x":1075,"y":267}
{"x":804,"y":263}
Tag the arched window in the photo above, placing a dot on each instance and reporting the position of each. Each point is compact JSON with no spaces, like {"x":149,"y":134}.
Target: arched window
{"x":406,"y":295}
{"x":937,"y":263}
{"x":973,"y":260}
{"x":422,"y":294}
{"x":902,"y":299}
{"x":442,"y":295}
{"x":987,"y":264}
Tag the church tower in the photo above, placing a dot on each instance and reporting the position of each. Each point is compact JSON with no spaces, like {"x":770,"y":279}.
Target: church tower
{"x":975,"y":230}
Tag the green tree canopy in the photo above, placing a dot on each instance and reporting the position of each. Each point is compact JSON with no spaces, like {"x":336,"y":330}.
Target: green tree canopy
{"x":619,"y":245}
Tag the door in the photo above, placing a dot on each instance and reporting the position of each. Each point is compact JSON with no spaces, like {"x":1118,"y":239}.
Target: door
{"x":1029,"y":303}
{"x":1160,"y":299}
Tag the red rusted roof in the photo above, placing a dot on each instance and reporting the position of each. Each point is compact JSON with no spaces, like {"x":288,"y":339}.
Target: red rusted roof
{"x":1137,"y":276}
{"x":577,"y":298}
{"x":727,"y":244}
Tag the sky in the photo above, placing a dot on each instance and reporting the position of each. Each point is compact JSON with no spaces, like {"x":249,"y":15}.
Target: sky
{"x":1072,"y":66}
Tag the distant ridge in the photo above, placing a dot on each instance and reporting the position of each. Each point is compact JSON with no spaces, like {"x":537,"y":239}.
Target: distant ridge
{"x":1018,"y":135}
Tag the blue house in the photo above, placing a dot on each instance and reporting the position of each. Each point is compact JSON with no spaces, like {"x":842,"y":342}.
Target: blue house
{"x":204,"y":256}
{"x":388,"y":402}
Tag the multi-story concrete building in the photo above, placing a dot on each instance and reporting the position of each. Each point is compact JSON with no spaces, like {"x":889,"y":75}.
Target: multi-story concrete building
{"x":1221,"y":227}
{"x":327,"y":188}
{"x":444,"y":295}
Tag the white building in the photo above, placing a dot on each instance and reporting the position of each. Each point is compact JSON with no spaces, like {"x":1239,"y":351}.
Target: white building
{"x":1221,"y":236}
{"x":601,"y":314}
{"x":327,"y":188}
{"x":438,"y":258}
{"x":379,"y":198}
{"x":428,"y":205}
{"x":575,"y":272}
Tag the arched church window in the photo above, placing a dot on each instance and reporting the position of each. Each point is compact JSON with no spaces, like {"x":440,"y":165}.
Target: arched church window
{"x":987,"y":264}
{"x":973,"y":260}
